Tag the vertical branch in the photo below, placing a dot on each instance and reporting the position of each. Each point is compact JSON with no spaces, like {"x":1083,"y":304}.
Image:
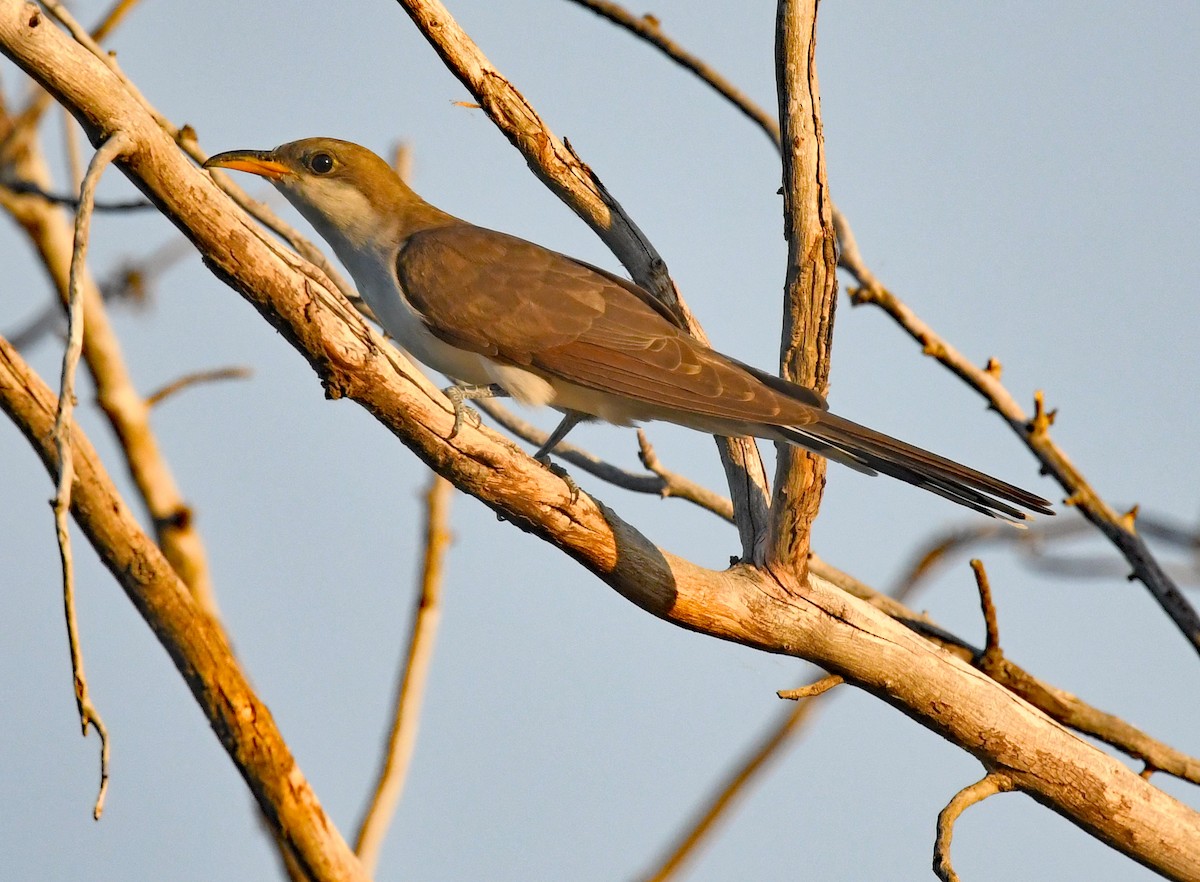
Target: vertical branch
{"x":88,"y":715}
{"x":403,"y":738}
{"x":811,"y":286}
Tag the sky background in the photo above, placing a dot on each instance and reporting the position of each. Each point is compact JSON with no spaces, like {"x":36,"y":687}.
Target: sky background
{"x":1022,"y":174}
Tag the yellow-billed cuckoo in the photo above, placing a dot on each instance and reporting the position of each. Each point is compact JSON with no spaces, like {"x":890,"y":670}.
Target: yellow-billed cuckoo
{"x":490,"y":310}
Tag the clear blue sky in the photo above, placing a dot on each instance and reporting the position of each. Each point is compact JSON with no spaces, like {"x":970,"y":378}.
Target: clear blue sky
{"x":1024,"y":175}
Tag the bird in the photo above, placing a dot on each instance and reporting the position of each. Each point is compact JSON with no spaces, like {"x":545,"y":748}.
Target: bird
{"x":500,"y":315}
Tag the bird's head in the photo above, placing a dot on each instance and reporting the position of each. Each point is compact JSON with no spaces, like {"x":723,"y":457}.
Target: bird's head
{"x":345,"y":191}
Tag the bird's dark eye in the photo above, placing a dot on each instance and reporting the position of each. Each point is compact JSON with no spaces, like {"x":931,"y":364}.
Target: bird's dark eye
{"x":320,"y":163}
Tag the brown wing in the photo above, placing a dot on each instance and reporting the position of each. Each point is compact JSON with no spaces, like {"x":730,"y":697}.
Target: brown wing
{"x":517,"y":302}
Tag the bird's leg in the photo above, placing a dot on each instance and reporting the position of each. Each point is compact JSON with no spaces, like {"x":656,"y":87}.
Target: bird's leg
{"x":570,"y":420}
{"x":460,"y":392}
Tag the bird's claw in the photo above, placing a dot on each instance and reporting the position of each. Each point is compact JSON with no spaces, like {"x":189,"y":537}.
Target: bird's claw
{"x":458,"y":396}
{"x":562,"y":473}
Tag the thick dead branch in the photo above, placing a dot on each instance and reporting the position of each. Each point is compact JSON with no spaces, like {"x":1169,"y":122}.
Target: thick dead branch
{"x":196,"y":645}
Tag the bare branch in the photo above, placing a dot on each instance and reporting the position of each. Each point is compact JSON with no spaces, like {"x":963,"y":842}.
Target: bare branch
{"x":21,"y":129}
{"x":29,"y":188}
{"x":1056,"y":703}
{"x":992,"y":653}
{"x":810,"y":288}
{"x":88,"y":715}
{"x":989,"y":785}
{"x":680,"y":486}
{"x":407,"y":712}
{"x":648,"y":28}
{"x":194,"y":379}
{"x":812,"y":690}
{"x":196,"y":644}
{"x":1034,"y":431}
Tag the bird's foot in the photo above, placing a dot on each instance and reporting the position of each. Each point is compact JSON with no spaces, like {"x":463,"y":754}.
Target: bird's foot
{"x":562,"y":473}
{"x":459,"y":395}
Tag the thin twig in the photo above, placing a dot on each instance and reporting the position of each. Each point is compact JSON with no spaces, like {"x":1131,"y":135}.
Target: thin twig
{"x":415,"y":673}
{"x":28,"y":188}
{"x":992,"y":654}
{"x":1034,"y":431}
{"x":196,"y":378}
{"x":1036,"y":547}
{"x":647,"y":27}
{"x":703,"y":822}
{"x":680,"y":486}
{"x":88,"y":714}
{"x":662,"y":482}
{"x":989,"y":785}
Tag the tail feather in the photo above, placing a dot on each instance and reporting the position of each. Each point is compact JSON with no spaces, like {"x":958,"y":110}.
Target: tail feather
{"x":866,"y":450}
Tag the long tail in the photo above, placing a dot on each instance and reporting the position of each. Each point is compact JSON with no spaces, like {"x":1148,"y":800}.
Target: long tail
{"x":868,"y":451}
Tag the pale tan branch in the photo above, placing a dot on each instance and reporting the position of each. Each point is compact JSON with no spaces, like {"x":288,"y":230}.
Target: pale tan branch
{"x":812,"y":690}
{"x":810,"y":285}
{"x":191,"y":637}
{"x":195,"y":379}
{"x":25,"y":124}
{"x":989,"y":785}
{"x":407,"y":712}
{"x":991,"y":650}
{"x":1033,"y":430}
{"x":562,"y":171}
{"x":1056,"y":703}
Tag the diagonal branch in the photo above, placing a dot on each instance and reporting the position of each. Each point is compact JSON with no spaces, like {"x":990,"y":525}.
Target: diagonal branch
{"x":191,"y":637}
{"x":403,"y":737}
{"x":1035,"y":432}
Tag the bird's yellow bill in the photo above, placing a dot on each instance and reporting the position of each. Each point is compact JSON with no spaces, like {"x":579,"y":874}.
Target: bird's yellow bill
{"x":257,"y":162}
